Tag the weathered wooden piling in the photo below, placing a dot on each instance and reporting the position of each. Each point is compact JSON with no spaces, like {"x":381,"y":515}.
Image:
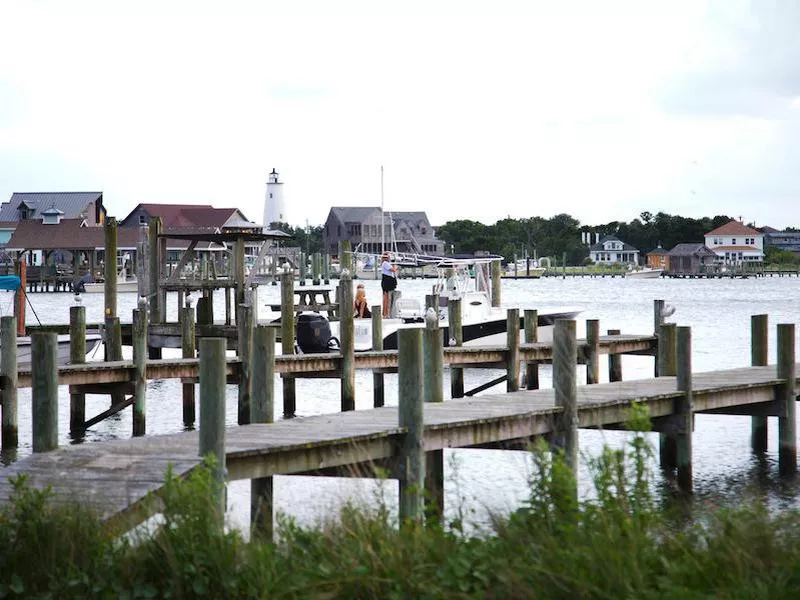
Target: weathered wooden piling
{"x":316,"y":266}
{"x":347,"y":341}
{"x":188,"y":350}
{"x":238,"y":263}
{"x":377,"y":344}
{"x":113,"y":349}
{"x":684,"y":408}
{"x":9,"y":437}
{"x":667,"y":361}
{"x":303,"y":268}
{"x":110,"y":272}
{"x":614,"y":362}
{"x":212,"y":411}
{"x":593,"y":351}
{"x":531,"y":337}
{"x":205,"y":311}
{"x":244,"y":349}
{"x":456,"y":338}
{"x":787,"y":421}
{"x":262,"y":410}
{"x":44,"y":394}
{"x":512,"y":340}
{"x":410,"y":417}
{"x":140,"y":363}
{"x":759,"y":346}
{"x":565,"y":360}
{"x":287,"y":338}
{"x":497,"y":274}
{"x":658,"y":320}
{"x":21,"y":270}
{"x":77,"y":355}
{"x":433,"y":360}
{"x":154,"y":272}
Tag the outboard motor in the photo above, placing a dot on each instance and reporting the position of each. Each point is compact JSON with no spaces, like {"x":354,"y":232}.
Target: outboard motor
{"x":314,"y":334}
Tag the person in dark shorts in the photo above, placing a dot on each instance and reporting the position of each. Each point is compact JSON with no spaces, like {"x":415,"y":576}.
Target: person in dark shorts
{"x":388,"y":281}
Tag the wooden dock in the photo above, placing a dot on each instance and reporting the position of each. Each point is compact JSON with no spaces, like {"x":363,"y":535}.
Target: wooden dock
{"x":116,"y":477}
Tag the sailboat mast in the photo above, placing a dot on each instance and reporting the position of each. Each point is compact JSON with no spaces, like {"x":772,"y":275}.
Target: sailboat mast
{"x":383,"y":221}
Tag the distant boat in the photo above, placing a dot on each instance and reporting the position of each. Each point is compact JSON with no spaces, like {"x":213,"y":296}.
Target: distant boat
{"x":646,"y":273}
{"x":124,"y":284}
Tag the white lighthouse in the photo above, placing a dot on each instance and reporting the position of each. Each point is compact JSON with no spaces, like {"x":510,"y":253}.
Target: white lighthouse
{"x":274,"y":210}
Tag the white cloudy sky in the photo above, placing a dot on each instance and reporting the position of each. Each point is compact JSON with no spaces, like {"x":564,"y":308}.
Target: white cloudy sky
{"x":476,"y":109}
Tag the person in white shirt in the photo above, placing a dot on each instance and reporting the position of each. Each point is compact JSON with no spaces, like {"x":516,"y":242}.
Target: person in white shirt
{"x":388,"y":281}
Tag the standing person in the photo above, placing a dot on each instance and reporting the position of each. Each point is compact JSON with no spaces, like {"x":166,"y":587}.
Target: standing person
{"x":388,"y":281}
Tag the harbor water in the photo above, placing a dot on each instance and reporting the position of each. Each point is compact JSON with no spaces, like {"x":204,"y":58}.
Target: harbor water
{"x":480,"y":482}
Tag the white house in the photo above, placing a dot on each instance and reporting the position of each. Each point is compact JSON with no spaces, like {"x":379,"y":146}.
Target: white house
{"x":612,"y":250}
{"x":736,"y":243}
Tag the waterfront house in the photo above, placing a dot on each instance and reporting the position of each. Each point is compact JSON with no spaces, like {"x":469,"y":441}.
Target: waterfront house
{"x":783,"y":240}
{"x":736,"y":243}
{"x":611,"y":249}
{"x":363,"y":226}
{"x":690,"y":259}
{"x":657,"y":258}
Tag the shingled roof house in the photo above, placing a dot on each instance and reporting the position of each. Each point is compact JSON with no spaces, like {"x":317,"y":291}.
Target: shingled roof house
{"x":195,"y":217}
{"x":611,"y":249}
{"x":736,"y":243}
{"x":411,"y":231}
{"x":690,"y":259}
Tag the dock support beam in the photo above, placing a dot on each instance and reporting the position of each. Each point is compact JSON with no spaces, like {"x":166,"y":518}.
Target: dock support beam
{"x":531,"y":337}
{"x":212,"y":412}
{"x":44,"y":371}
{"x":565,"y":360}
{"x":8,"y":368}
{"x":433,"y":357}
{"x":410,"y":417}
{"x":287,"y":338}
{"x":377,"y":345}
{"x":77,"y":355}
{"x":188,"y":350}
{"x":614,"y":362}
{"x":667,"y":366}
{"x":244,"y":349}
{"x":759,"y":355}
{"x":512,"y":340}
{"x":593,"y":353}
{"x":110,"y":274}
{"x":347,"y":340}
{"x":140,"y":364}
{"x":456,"y":336}
{"x":787,"y":423}
{"x":262,"y":410}
{"x":684,"y":407}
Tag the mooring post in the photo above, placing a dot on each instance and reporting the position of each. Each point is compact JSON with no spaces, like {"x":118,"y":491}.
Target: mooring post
{"x":496,"y":283}
{"x":667,"y":362}
{"x":110,"y":285}
{"x":658,"y":321}
{"x":188,"y":350}
{"x":262,"y":410}
{"x":531,"y":337}
{"x":303,"y":268}
{"x":593,"y":351}
{"x":228,"y":311}
{"x":614,"y":361}
{"x":759,"y":345}
{"x":455,"y":338}
{"x":8,"y":368}
{"x":433,"y":361}
{"x":244,"y":350}
{"x":156,"y":311}
{"x":205,"y":314}
{"x":114,"y":350}
{"x":347,"y":335}
{"x":44,"y":394}
{"x":377,"y":345}
{"x":287,"y":338}
{"x":77,"y":355}
{"x":326,"y":268}
{"x":315,"y":266}
{"x":787,"y":423}
{"x":212,"y":411}
{"x":140,"y":365}
{"x":565,"y":361}
{"x":512,"y":340}
{"x":238,"y":265}
{"x":410,"y":418}
{"x":684,"y":406}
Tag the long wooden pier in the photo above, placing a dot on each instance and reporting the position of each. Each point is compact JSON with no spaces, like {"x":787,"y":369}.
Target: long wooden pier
{"x":116,"y":477}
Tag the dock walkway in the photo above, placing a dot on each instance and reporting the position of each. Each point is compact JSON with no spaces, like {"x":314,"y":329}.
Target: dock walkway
{"x":115,"y":477}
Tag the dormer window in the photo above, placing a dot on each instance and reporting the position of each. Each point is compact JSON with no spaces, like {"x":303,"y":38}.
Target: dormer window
{"x":52,"y":216}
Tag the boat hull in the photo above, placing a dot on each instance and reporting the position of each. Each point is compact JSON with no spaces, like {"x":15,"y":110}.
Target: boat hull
{"x":62,"y":348}
{"x":122,"y":287}
{"x":645,"y":274}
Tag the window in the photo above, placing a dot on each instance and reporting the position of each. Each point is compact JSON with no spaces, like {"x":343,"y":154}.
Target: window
{"x":142,"y":219}
{"x":733,"y":241}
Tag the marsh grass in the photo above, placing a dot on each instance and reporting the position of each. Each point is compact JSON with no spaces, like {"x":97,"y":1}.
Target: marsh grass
{"x":618,"y":544}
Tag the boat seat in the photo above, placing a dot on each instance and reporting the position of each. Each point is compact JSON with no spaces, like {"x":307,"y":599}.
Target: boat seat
{"x":408,"y":308}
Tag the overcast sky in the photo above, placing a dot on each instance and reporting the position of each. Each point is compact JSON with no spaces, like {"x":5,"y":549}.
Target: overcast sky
{"x":476,"y":110}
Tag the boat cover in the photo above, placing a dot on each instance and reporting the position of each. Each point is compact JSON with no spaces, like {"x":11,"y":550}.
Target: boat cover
{"x":9,"y":283}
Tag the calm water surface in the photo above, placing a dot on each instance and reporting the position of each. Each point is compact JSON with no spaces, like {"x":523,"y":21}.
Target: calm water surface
{"x":479,"y":481}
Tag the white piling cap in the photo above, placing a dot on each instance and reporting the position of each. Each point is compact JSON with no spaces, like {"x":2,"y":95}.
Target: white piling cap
{"x":431,"y":318}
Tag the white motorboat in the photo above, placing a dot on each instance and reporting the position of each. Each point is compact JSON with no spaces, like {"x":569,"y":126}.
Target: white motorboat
{"x":482,"y":324}
{"x":645,"y":273}
{"x":124,"y":285}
